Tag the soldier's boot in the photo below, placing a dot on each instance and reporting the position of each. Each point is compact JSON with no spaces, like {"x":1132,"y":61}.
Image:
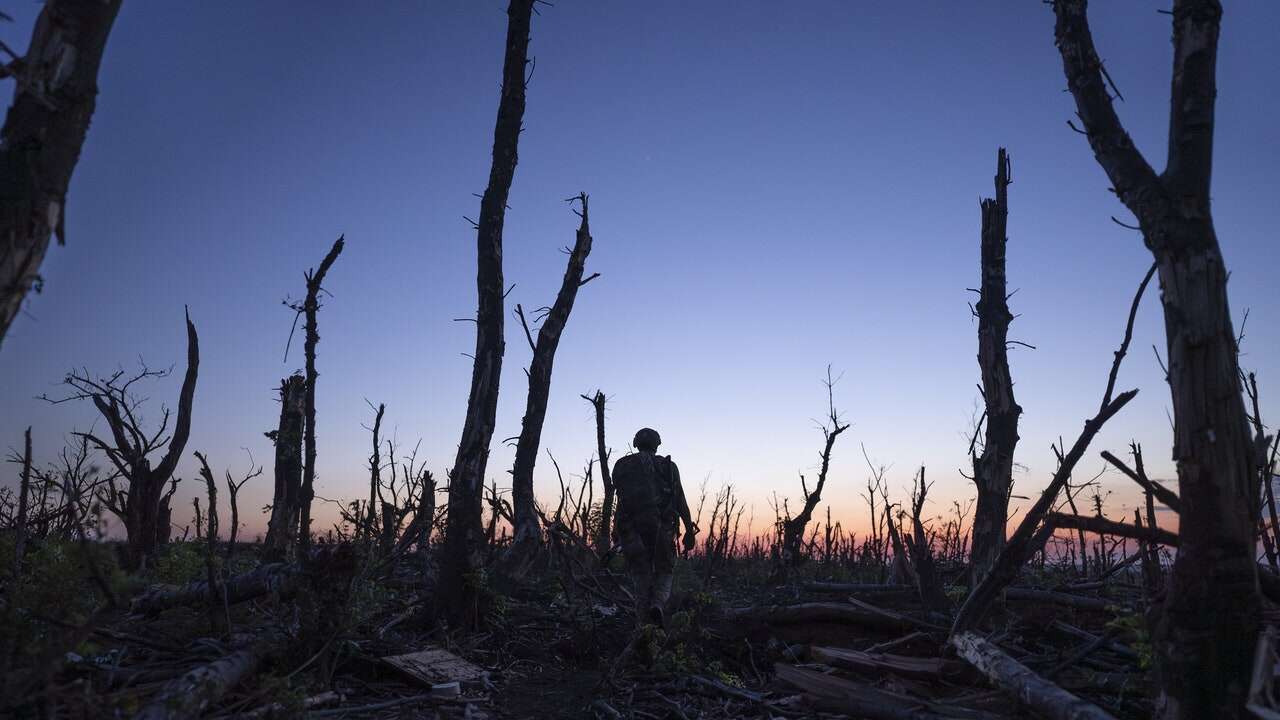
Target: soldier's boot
{"x":658,"y":597}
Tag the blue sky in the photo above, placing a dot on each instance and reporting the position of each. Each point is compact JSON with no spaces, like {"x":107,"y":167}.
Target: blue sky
{"x":773,"y":188}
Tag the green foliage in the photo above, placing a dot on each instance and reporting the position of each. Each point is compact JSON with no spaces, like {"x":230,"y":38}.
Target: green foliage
{"x":179,"y":563}
{"x":1134,"y":627}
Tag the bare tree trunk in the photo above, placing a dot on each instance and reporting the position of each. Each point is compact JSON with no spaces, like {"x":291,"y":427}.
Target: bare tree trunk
{"x":375,"y":479}
{"x":604,"y":532}
{"x":213,"y":572}
{"x":528,"y":532}
{"x":57,"y":90}
{"x":309,"y":308}
{"x":20,"y":522}
{"x":464,"y":534}
{"x":1206,"y":635}
{"x":993,"y":469}
{"x":282,"y":528}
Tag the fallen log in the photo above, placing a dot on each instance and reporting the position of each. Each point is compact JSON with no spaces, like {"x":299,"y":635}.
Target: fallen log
{"x":265,"y":579}
{"x":199,"y":689}
{"x":816,"y":612}
{"x":894,"y":616}
{"x":1030,"y":689}
{"x":852,"y":698}
{"x":856,"y":588}
{"x":1048,"y":597}
{"x":930,"y":668}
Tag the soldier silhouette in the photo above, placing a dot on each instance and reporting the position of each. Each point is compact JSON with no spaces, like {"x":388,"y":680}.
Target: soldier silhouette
{"x":650,"y":501}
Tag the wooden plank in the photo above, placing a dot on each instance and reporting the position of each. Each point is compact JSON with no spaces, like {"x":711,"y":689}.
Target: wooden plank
{"x":435,"y":666}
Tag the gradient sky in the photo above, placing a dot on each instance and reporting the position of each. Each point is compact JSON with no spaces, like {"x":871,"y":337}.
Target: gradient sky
{"x":773,"y":188}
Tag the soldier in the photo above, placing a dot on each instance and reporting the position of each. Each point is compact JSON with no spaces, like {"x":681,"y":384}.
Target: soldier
{"x":650,"y":501}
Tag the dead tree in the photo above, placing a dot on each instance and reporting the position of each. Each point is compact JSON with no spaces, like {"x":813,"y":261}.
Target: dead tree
{"x":993,"y":469}
{"x":604,"y":531}
{"x":309,"y":307}
{"x":1031,"y":534}
{"x":1205,"y":638}
{"x":20,"y":522}
{"x":233,"y":498}
{"x":921,"y":548}
{"x":464,"y":534}
{"x":53,"y":101}
{"x":213,"y":567}
{"x":527,"y":531}
{"x":282,"y":528}
{"x":793,"y":528}
{"x":375,"y":476}
{"x":143,"y":506}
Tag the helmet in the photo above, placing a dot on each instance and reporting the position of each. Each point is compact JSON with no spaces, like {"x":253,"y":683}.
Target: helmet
{"x":647,"y":439}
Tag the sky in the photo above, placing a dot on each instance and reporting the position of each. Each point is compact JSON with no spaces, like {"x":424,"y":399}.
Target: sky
{"x":774,"y":189}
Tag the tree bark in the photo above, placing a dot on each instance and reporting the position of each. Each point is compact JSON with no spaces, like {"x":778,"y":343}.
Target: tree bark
{"x":310,"y":306}
{"x":44,"y":130}
{"x":527,"y":531}
{"x":1207,"y":630}
{"x":993,"y":469}
{"x":282,"y":528}
{"x":464,"y":533}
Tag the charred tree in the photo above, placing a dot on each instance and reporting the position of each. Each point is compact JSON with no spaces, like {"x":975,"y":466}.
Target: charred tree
{"x":1206,"y":635}
{"x":282,"y":528}
{"x":793,"y":528}
{"x":309,"y":307}
{"x":993,"y":469}
{"x":464,"y":533}
{"x":53,"y":101}
{"x":142,"y":507}
{"x":528,"y":531}
{"x":604,"y":531}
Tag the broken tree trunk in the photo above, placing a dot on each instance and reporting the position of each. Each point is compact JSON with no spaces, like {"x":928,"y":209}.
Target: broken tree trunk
{"x":605,"y":530}
{"x":375,"y":479}
{"x":1210,"y":617}
{"x":1030,"y":689}
{"x":310,"y":306}
{"x":202,"y":687}
{"x":464,"y":533}
{"x":1030,"y":536}
{"x":282,"y":529}
{"x":53,"y":101}
{"x":20,"y":521}
{"x":993,"y":469}
{"x":528,"y":532}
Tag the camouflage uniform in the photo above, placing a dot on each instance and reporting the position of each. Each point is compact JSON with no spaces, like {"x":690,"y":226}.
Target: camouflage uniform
{"x":651,"y":502}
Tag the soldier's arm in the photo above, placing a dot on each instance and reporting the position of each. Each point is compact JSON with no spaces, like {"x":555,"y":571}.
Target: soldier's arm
{"x":682,"y":505}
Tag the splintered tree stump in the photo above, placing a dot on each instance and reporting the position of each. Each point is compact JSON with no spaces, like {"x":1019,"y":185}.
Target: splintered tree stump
{"x":1030,"y":689}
